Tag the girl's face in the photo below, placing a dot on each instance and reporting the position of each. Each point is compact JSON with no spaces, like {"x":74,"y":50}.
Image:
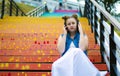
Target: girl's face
{"x":71,"y":25}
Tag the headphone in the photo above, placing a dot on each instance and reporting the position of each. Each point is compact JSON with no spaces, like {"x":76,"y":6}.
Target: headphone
{"x":77,"y":23}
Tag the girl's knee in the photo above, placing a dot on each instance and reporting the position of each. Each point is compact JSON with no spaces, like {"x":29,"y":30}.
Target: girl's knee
{"x":56,"y":64}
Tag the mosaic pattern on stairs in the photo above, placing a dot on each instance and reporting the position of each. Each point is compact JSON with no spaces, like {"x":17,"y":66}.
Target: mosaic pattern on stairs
{"x":28,"y":45}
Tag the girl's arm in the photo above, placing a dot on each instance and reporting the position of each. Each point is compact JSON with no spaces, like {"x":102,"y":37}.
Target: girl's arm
{"x":83,"y":42}
{"x":86,"y":42}
{"x":61,"y":42}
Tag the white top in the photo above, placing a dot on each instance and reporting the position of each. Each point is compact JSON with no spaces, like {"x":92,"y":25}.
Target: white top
{"x":72,"y":45}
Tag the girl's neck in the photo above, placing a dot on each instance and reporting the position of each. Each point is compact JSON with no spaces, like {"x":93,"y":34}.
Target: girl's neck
{"x":72,"y":34}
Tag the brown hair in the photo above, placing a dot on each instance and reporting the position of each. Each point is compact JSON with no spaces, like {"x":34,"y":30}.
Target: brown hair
{"x":67,"y":17}
{"x":73,"y":16}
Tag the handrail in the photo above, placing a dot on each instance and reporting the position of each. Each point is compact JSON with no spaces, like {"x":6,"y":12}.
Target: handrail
{"x":80,"y":12}
{"x":107,"y":15}
{"x":13,"y":7}
{"x":105,"y":34}
{"x":2,"y":9}
{"x":37,"y":11}
{"x":73,"y":4}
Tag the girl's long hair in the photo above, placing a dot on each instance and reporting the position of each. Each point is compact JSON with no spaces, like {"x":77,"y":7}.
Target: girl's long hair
{"x":73,"y":16}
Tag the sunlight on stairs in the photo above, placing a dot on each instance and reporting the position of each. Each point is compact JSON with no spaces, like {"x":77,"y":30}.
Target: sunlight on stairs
{"x":28,"y":45}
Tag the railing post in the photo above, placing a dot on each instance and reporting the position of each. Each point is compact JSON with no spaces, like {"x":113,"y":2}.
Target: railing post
{"x":80,"y":12}
{"x":36,"y":12}
{"x":112,"y":53}
{"x":101,"y":36}
{"x":95,"y":24}
{"x":85,"y":9}
{"x":11,"y":7}
{"x":3,"y":6}
{"x":88,"y":11}
{"x":16,"y":11}
{"x":91,"y":17}
{"x":33,"y":14}
{"x":44,"y":8}
{"x":30,"y":14}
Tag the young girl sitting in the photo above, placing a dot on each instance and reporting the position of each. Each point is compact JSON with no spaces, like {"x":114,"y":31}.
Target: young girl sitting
{"x":72,"y":45}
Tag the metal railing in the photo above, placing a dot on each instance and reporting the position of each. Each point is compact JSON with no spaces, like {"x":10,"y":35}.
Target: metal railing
{"x":2,"y":8}
{"x":11,"y":7}
{"x":52,"y":5}
{"x":103,"y":25}
{"x":14,"y":9}
{"x":73,"y":5}
{"x":37,"y":11}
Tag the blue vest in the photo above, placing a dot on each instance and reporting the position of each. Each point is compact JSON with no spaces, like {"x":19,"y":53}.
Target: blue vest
{"x":75,"y":41}
{"x":69,"y":40}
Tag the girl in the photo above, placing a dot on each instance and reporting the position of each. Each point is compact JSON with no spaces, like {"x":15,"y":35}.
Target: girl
{"x":72,"y":45}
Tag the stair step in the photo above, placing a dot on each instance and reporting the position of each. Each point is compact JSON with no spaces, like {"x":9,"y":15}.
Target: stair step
{"x":95,"y":58}
{"x":102,"y":67}
{"x":25,"y":66}
{"x":25,"y":73}
{"x":35,"y":47}
{"x":39,"y":58}
{"x":47,"y":51}
{"x":32,"y":37}
{"x":36,"y":66}
{"x":32,"y":73}
{"x":31,"y":58}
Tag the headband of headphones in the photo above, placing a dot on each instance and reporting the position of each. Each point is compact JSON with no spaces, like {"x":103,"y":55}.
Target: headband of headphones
{"x":67,"y":17}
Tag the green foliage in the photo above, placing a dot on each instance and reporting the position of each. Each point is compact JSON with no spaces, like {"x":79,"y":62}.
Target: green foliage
{"x":26,"y":8}
{"x":118,"y":32}
{"x":0,"y":3}
{"x":108,"y":4}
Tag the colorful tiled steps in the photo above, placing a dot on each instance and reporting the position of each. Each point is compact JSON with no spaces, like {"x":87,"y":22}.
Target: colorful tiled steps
{"x":27,"y":41}
{"x":25,"y":73}
{"x":44,"y":58}
{"x":35,"y":66}
{"x":31,"y":58}
{"x":28,"y":44}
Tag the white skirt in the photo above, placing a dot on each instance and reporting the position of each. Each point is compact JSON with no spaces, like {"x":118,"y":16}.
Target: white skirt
{"x":74,"y":63}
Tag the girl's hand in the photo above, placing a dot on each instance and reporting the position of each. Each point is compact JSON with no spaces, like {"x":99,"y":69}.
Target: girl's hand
{"x":80,"y":30}
{"x":65,"y":30}
{"x":82,"y":44}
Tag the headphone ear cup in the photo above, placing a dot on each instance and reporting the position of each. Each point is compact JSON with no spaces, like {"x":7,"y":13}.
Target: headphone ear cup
{"x":77,"y":26}
{"x":64,"y":24}
{"x":77,"y":22}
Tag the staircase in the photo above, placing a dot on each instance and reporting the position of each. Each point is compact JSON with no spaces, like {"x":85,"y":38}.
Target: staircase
{"x":28,"y":45}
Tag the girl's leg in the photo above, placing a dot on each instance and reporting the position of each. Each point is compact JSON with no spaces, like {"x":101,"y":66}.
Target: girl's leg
{"x":74,"y":63}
